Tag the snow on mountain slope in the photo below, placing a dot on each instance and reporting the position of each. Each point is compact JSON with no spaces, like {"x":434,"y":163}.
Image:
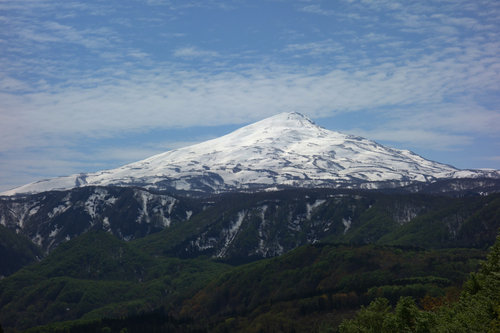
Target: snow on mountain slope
{"x":287,"y":149}
{"x":128,"y":213}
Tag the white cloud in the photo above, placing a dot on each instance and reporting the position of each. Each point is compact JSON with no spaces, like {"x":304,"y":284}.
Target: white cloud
{"x":414,"y":137}
{"x":316,"y":9}
{"x":138,"y":54}
{"x":166,"y":97}
{"x":172,"y":35}
{"x":129,"y":154}
{"x":490,"y":158}
{"x":436,"y":126}
{"x":10,"y":84}
{"x":193,"y":52}
{"x":316,"y":48}
{"x":425,"y":72}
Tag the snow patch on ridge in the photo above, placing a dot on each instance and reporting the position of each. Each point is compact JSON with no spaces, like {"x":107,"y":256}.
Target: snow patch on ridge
{"x":37,"y":239}
{"x":230,"y":233}
{"x":22,"y":211}
{"x":161,"y":205}
{"x":93,"y":201}
{"x":105,"y":223}
{"x":33,"y":211}
{"x":59,"y":210}
{"x":262,"y":225}
{"x":347,"y":224}
{"x":310,"y":207}
{"x":54,"y":232}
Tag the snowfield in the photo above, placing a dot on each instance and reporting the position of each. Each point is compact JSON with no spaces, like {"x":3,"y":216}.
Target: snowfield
{"x":286,"y":149}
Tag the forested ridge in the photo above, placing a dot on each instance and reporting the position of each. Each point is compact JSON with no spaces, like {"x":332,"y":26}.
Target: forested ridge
{"x":421,"y":247}
{"x":307,"y":286}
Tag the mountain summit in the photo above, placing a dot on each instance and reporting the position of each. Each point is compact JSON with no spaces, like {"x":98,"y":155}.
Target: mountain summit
{"x":287,"y":150}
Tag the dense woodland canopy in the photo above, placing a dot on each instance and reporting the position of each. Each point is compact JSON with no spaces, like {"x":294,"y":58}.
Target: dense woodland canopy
{"x":477,"y":310}
{"x":410,"y":279}
{"x":313,"y":288}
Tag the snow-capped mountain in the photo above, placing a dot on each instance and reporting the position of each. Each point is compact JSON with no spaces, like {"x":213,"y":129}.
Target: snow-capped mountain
{"x":284,"y":150}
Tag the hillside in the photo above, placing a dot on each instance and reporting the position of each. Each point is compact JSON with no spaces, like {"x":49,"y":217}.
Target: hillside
{"x":323,"y":270}
{"x":51,"y":218}
{"x":96,"y":275}
{"x":271,"y":224}
{"x":332,"y":251}
{"x":319,"y":284}
{"x":16,"y":252}
{"x":261,"y":224}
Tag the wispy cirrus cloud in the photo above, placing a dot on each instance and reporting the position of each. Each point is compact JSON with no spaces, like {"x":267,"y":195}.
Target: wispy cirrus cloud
{"x":315,"y":9}
{"x":163,"y":98}
{"x":194,"y":52}
{"x":316,"y":48}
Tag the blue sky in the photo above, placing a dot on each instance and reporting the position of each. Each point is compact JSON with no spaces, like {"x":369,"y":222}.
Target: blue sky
{"x":93,"y":85}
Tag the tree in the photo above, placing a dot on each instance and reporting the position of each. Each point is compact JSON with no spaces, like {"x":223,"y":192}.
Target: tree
{"x":378,"y":318}
{"x":369,"y":320}
{"x":477,"y":310}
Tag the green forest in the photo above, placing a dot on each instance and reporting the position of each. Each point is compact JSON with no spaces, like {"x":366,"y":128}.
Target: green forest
{"x":413,"y":278}
{"x":314,"y":287}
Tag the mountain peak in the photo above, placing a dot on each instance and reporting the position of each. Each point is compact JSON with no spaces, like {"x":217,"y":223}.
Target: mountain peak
{"x":287,"y":119}
{"x":292,"y":118}
{"x":278,"y":130}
